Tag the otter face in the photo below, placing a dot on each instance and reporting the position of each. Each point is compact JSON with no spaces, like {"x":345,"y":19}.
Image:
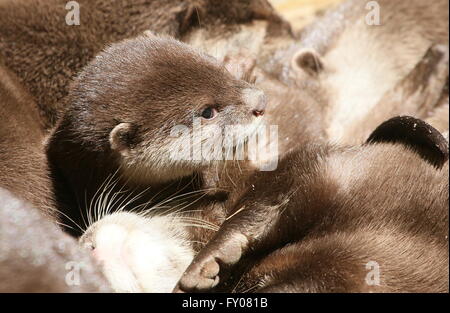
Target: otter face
{"x":139,"y":254}
{"x":147,"y":92}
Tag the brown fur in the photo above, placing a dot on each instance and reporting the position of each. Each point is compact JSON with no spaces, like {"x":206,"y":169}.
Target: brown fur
{"x":288,"y":111}
{"x":417,"y":94}
{"x":298,"y":124}
{"x":325,"y":180}
{"x":422,"y":27}
{"x":23,"y":164}
{"x":46,"y":53}
{"x":351,"y":64}
{"x":150,"y":84}
{"x":298,"y":116}
{"x":324,"y":214}
{"x":36,"y":256}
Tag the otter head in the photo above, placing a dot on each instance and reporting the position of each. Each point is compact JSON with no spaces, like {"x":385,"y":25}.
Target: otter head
{"x":157,"y":105}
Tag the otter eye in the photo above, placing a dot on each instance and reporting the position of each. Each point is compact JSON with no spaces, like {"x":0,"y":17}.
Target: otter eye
{"x":209,"y":113}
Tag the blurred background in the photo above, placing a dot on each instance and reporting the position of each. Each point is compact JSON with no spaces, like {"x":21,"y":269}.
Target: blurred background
{"x":302,"y":12}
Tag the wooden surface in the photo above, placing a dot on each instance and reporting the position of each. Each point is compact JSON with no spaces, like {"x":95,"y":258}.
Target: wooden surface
{"x":301,"y":12}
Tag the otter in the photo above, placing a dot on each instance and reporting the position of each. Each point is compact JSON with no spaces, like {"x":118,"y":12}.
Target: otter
{"x":46,"y":52}
{"x":328,"y":212}
{"x":124,"y":114}
{"x":23,"y":164}
{"x":173,"y":238}
{"x":37,"y":256}
{"x":350,"y":58}
{"x":428,"y":76}
{"x":423,"y":91}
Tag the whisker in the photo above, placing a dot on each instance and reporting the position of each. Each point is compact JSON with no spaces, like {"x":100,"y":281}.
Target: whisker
{"x":238,"y":283}
{"x":197,"y":220}
{"x":70,"y":219}
{"x":196,"y":225}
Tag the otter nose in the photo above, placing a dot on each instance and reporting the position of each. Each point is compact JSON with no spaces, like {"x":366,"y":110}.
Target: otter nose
{"x":256,"y":100}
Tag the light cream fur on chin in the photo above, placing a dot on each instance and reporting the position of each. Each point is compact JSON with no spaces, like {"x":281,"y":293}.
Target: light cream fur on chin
{"x":139,"y":254}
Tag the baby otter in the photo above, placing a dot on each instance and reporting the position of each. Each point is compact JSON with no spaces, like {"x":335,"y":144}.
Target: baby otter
{"x":200,"y":226}
{"x":328,"y":212}
{"x":124,"y":113}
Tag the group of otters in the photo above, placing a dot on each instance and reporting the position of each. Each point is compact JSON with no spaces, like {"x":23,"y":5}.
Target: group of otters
{"x":361,"y":182}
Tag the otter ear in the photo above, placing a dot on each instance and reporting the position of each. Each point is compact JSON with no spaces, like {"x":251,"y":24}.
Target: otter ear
{"x":121,"y":138}
{"x":423,"y":138}
{"x":308,"y":61}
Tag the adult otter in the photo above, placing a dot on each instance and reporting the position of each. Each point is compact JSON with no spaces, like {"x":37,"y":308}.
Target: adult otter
{"x":123,"y":115}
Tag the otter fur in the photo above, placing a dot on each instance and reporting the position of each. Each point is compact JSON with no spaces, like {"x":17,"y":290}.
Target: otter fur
{"x":123,"y":112}
{"x":46,"y":52}
{"x":328,"y":212}
{"x":23,"y":163}
{"x":37,"y":256}
{"x":354,"y":54}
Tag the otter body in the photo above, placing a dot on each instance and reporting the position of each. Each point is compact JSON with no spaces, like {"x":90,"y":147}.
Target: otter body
{"x":328,"y":215}
{"x":39,"y":257}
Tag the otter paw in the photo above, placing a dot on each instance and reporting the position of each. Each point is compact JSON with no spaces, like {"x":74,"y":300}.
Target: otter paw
{"x":200,"y":276}
{"x":203,"y":273}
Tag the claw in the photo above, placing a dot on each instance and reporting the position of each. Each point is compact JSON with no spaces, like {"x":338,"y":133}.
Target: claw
{"x":203,"y":273}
